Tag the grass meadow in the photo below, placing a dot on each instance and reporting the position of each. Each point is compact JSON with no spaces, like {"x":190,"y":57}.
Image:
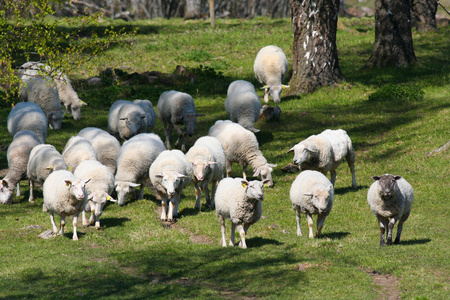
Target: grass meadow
{"x":394,"y":117}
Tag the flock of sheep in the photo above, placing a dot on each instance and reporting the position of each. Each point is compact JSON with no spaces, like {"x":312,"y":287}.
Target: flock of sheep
{"x":94,"y":165}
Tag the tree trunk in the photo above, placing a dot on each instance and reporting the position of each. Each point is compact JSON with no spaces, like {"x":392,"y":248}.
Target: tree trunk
{"x":211,"y":13}
{"x":192,"y":9}
{"x":315,"y":61}
{"x":423,"y":14}
{"x":393,"y":37}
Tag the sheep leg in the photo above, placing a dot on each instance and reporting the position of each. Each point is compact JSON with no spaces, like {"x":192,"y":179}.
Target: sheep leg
{"x":83,"y":217}
{"x":168,"y":132}
{"x":223,"y":230}
{"x":244,"y":172}
{"x":164,"y":200}
{"x":390,"y":229}
{"x":246,"y":226}
{"x":233,"y":229}
{"x":333,"y":176}
{"x":91,"y":219}
{"x":198,"y":194}
{"x":63,"y":223}
{"x":18,"y":189}
{"x":75,"y":223}
{"x":310,"y":225}
{"x":206,"y":188}
{"x":181,"y":138}
{"x":177,"y":202}
{"x":171,"y":209}
{"x":229,"y":163}
{"x":351,"y":163}
{"x":31,"y":198}
{"x":352,"y":169}
{"x":298,"y":217}
{"x":52,"y":219}
{"x":241,"y":231}
{"x":320,"y":222}
{"x":399,"y":232}
{"x":213,"y":193}
{"x":383,"y":224}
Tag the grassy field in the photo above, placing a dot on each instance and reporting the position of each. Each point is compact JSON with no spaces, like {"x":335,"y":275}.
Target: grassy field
{"x":394,"y":117}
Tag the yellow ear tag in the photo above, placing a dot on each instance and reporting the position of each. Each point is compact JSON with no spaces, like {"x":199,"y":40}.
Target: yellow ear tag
{"x":244,"y":185}
{"x":265,"y":185}
{"x":67,"y":183}
{"x":69,"y":168}
{"x":51,"y":168}
{"x":108,"y":198}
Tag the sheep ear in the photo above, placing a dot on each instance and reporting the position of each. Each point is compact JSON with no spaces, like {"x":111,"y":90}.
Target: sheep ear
{"x":397,"y":177}
{"x":273,"y":165}
{"x":116,"y":183}
{"x":91,"y":196}
{"x":160,"y":175}
{"x":376,"y":178}
{"x":83,"y":103}
{"x":86,"y":181}
{"x":49,"y":168}
{"x":212,"y":162}
{"x":291,"y":150}
{"x":69,"y":168}
{"x":265,"y":182}
{"x":244,"y":183}
{"x":123,"y":119}
{"x":254,"y":130}
{"x":284,"y":86}
{"x":310,"y":150}
{"x":257,"y":172}
{"x":68,"y":182}
{"x":308,"y":194}
{"x":181,"y":175}
{"x":109,"y":198}
{"x":132,"y":184}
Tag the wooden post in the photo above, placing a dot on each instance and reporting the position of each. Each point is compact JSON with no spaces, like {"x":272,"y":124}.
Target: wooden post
{"x":211,"y":13}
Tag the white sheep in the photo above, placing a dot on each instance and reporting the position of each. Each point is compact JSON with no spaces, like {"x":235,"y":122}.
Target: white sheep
{"x":312,"y":194}
{"x":150,"y":114}
{"x":126,"y":119}
{"x":65,"y":195}
{"x":133,"y":163}
{"x":390,"y":198}
{"x":325,"y":152}
{"x":76,"y":150}
{"x":99,"y":189}
{"x":17,"y":155}
{"x":239,"y":201}
{"x":270,"y":68}
{"x":43,"y":160}
{"x":208,"y":160}
{"x":174,"y":109}
{"x":67,"y":94}
{"x":43,"y":91}
{"x":241,"y":146}
{"x":169,"y":174}
{"x":106,"y":146}
{"x":242,"y":104}
{"x":28,"y":116}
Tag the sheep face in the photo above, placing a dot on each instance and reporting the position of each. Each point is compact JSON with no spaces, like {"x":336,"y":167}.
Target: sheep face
{"x":122,"y":190}
{"x":6,"y":192}
{"x":170,"y":181}
{"x":202,"y":168}
{"x":265,"y":173}
{"x":302,"y":153}
{"x":77,"y":188}
{"x":190,"y":121}
{"x":55,"y":119}
{"x":98,"y":200}
{"x":134,"y":123}
{"x":387,"y":185}
{"x":275,"y":93}
{"x":75,"y":110}
{"x":319,"y":198}
{"x":254,"y":189}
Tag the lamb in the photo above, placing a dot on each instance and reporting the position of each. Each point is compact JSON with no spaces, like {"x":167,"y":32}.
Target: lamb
{"x":174,"y":109}
{"x":43,"y":92}
{"x":78,"y":149}
{"x":150,"y":114}
{"x":325,"y":152}
{"x":28,"y":116}
{"x":99,"y":189}
{"x":390,"y":198}
{"x":312,"y":194}
{"x":67,"y":94}
{"x":17,"y":155}
{"x":126,"y":119}
{"x":106,"y":146}
{"x":169,"y":174}
{"x":242,"y":104}
{"x":65,"y":195}
{"x":43,"y":160}
{"x":239,"y":201}
{"x":133,"y":163}
{"x":208,"y":160}
{"x":270,"y":68}
{"x":241,"y":146}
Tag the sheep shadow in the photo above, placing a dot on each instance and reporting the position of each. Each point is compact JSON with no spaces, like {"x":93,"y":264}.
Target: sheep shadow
{"x":113,"y":222}
{"x":334,"y":235}
{"x":257,"y":242}
{"x":414,"y":242}
{"x":345,"y":190}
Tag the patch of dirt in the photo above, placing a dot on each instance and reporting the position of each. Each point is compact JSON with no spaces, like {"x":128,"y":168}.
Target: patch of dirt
{"x":388,"y":285}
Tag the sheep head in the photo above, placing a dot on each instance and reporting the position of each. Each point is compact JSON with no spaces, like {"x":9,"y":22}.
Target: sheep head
{"x":387,"y":185}
{"x":122,"y":190}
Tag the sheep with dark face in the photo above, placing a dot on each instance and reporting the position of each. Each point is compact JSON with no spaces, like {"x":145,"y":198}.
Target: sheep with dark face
{"x":390,"y":198}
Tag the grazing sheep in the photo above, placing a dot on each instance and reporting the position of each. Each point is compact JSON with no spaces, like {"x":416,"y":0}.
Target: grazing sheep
{"x":174,"y":109}
{"x":28,"y":116}
{"x":241,"y":146}
{"x":268,"y":113}
{"x":208,"y":160}
{"x":169,"y":174}
{"x":67,"y":94}
{"x":43,"y":160}
{"x":18,"y":153}
{"x":65,"y":195}
{"x":43,"y":92}
{"x":99,"y":188}
{"x":312,"y":194}
{"x":325,"y":152}
{"x":239,"y":201}
{"x":242,"y":104}
{"x":390,"y":198}
{"x":150,"y":114}
{"x":78,"y":149}
{"x":270,"y":68}
{"x":133,"y":163}
{"x":106,"y":146}
{"x":126,"y":119}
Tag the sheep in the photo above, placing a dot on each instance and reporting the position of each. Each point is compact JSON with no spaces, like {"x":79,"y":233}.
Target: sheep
{"x":242,"y":104}
{"x":325,"y":152}
{"x":174,"y":109}
{"x":43,"y":92}
{"x":239,"y":201}
{"x":78,"y":149}
{"x":208,"y":160}
{"x":17,"y":155}
{"x":43,"y":160}
{"x":28,"y":116}
{"x":133,"y":163}
{"x":390,"y":198}
{"x":312,"y":194}
{"x":65,"y":195}
{"x":270,"y":69}
{"x":126,"y":119}
{"x":150,"y":114}
{"x":106,"y":146}
{"x":268,"y":113}
{"x":241,"y":146}
{"x":99,"y":189}
{"x":169,"y":174}
{"x":67,"y":94}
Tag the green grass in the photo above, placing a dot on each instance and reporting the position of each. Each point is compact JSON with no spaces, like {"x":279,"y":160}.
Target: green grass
{"x":134,"y":256}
